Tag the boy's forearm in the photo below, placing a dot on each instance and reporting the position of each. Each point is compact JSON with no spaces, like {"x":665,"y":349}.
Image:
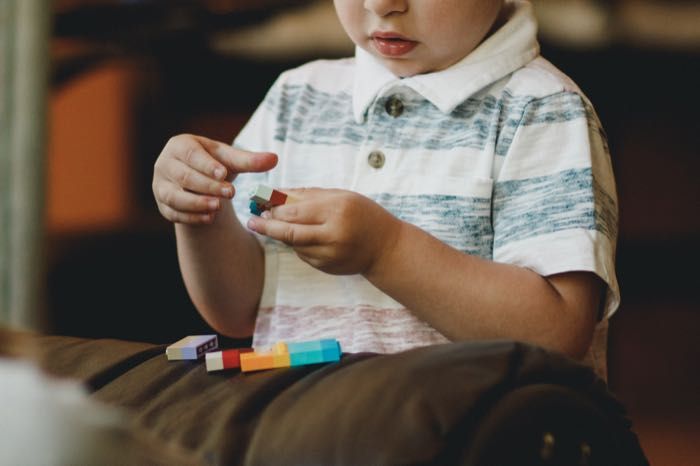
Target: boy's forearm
{"x":466,"y":297}
{"x":222,"y":266}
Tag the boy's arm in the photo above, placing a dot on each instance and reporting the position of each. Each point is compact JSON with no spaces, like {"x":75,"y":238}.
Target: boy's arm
{"x":462,"y":296}
{"x":221,"y":263}
{"x":466,"y":297}
{"x":222,"y":266}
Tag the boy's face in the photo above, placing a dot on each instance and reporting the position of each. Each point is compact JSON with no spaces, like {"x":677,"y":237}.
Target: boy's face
{"x":418,"y":36}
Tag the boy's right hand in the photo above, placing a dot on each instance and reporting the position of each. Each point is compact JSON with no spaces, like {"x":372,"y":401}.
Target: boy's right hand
{"x":192,"y":176}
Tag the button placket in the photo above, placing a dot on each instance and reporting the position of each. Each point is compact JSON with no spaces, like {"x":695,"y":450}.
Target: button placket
{"x":374,"y":158}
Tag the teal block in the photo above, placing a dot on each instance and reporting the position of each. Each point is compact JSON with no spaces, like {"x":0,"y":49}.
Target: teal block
{"x":255,"y":208}
{"x":296,"y":359}
{"x":303,"y":346}
{"x":306,"y":357}
{"x":329,"y":344}
{"x":331,"y":354}
{"x":313,"y":352}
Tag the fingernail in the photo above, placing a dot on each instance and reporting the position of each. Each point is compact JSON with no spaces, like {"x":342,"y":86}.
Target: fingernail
{"x":219,"y":173}
{"x":213,"y":204}
{"x":227,"y":191}
{"x":266,"y":214}
{"x":252,"y":223}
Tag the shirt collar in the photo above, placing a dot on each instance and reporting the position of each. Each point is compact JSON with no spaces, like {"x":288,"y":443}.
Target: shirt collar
{"x":509,"y":48}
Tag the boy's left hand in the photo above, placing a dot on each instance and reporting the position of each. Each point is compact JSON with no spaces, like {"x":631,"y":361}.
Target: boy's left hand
{"x":336,"y":231}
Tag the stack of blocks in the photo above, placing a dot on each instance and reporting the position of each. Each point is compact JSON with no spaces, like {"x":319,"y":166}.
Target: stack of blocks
{"x":191,"y":347}
{"x":280,"y":355}
{"x":264,"y":198}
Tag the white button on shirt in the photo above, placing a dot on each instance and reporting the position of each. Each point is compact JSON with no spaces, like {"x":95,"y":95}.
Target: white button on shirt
{"x":376,"y":159}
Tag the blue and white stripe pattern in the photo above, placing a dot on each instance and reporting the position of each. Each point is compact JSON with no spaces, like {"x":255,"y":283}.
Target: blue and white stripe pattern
{"x":516,"y":171}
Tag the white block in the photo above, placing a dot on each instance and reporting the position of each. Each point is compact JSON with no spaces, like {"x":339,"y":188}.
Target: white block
{"x":214,"y":361}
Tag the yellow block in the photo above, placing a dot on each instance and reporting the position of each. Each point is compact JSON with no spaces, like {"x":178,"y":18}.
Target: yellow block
{"x":280,"y":348}
{"x":281,"y":360}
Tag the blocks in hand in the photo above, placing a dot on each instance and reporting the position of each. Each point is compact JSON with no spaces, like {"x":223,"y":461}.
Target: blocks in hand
{"x":191,"y":347}
{"x":264,"y":198}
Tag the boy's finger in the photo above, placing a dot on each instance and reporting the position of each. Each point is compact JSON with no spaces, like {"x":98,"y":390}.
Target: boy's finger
{"x":291,"y":234}
{"x":197,"y":157}
{"x":188,"y":178}
{"x":184,"y":201}
{"x":295,"y":212}
{"x":188,"y":218}
{"x":238,"y":160}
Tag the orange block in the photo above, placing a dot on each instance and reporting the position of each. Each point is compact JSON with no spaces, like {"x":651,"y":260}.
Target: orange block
{"x":257,"y":361}
{"x":276,"y":357}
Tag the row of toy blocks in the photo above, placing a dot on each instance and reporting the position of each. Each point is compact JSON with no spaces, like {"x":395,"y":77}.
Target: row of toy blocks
{"x":264,"y":198}
{"x":280,"y":355}
{"x":191,"y":347}
{"x":292,"y":354}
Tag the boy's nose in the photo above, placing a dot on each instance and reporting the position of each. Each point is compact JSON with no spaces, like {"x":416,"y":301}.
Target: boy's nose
{"x":386,"y":7}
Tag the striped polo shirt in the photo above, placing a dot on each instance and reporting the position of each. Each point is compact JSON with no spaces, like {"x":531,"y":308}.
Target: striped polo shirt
{"x":500,"y":156}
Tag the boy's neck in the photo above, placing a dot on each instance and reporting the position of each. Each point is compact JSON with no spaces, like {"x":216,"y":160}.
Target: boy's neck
{"x":501,"y":19}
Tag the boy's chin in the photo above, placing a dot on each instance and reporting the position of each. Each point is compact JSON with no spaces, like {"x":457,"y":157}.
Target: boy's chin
{"x":404,"y":69}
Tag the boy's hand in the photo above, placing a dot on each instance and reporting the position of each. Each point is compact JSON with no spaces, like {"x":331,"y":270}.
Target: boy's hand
{"x":336,"y":231}
{"x":193,"y":174}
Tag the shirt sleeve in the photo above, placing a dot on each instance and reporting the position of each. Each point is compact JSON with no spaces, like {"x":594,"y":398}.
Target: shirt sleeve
{"x":554,"y":201}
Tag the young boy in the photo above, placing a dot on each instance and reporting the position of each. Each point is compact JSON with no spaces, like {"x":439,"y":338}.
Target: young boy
{"x":452,"y":185}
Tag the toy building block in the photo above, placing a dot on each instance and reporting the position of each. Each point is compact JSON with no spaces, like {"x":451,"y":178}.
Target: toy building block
{"x":226,"y":359}
{"x":280,"y":355}
{"x":274,"y":358}
{"x":256,"y":361}
{"x":263,"y":198}
{"x":292,"y":354}
{"x":331,"y":350}
{"x":191,"y":347}
{"x":254,"y":209}
{"x":261,"y":194}
{"x":314,"y":352}
{"x":278,"y":197}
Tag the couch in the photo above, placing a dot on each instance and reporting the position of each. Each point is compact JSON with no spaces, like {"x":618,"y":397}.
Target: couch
{"x":493,"y":403}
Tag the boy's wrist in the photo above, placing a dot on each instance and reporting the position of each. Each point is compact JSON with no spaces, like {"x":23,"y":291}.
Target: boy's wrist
{"x":388,"y":250}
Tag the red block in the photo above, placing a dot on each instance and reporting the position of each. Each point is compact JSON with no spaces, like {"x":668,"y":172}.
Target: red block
{"x":232,"y":358}
{"x":277,"y":198}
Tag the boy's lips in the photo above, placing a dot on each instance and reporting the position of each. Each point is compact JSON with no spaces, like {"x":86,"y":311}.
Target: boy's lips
{"x":392,"y":45}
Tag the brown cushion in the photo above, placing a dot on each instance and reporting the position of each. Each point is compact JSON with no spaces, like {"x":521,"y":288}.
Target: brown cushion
{"x":423,"y":406}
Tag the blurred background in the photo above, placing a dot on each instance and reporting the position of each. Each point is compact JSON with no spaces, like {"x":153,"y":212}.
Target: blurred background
{"x":91,"y":90}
